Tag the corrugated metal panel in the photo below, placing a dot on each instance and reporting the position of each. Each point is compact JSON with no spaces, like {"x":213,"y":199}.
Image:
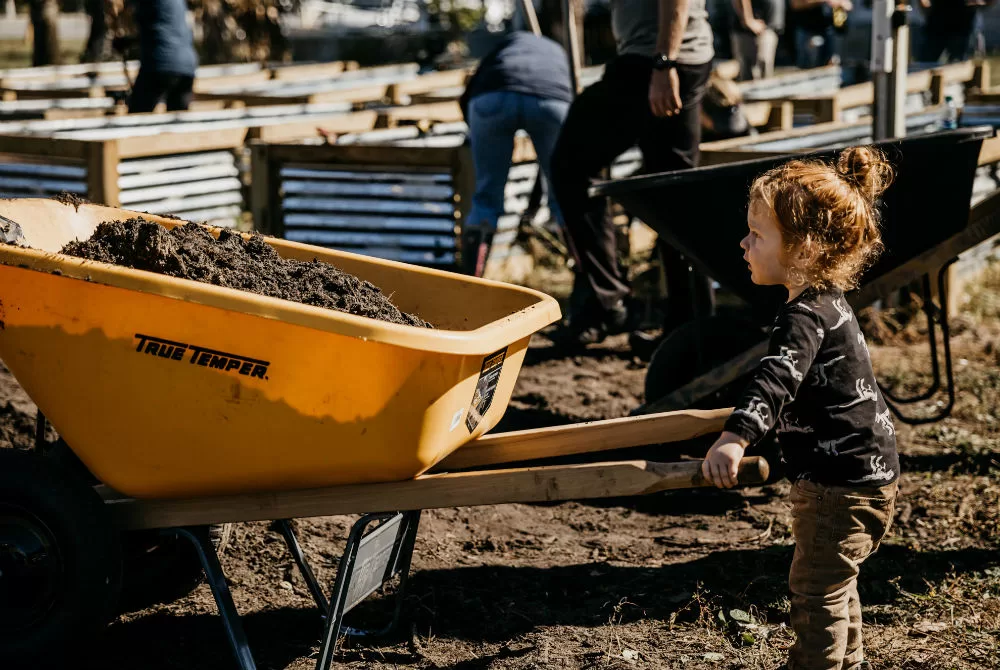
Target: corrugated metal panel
{"x":199,"y":186}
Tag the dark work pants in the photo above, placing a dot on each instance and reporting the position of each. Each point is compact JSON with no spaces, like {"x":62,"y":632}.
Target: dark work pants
{"x":604,"y":121}
{"x":152,"y":87}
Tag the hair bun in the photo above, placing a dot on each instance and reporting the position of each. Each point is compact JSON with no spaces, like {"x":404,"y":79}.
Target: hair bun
{"x":866,"y":169}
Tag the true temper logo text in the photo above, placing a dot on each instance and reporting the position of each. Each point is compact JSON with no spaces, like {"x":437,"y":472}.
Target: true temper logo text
{"x":209,"y":358}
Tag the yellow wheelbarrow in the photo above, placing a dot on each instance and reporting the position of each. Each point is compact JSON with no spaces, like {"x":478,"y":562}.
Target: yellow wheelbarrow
{"x":182,"y":404}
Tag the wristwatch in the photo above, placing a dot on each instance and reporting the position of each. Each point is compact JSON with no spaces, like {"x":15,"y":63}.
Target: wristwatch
{"x":662,"y":62}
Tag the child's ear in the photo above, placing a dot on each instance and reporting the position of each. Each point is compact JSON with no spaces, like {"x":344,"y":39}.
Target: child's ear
{"x":806,"y":253}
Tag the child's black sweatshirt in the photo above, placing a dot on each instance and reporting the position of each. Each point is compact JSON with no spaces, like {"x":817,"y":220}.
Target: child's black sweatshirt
{"x":817,"y":384}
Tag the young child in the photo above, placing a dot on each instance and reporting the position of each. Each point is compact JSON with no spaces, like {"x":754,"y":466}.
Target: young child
{"x":814,"y":229}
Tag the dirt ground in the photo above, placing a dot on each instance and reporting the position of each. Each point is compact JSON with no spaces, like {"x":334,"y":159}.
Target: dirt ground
{"x":652,"y":582}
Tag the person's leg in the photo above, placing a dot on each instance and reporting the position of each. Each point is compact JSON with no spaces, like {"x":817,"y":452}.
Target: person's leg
{"x":543,"y":119}
{"x":805,"y":51}
{"x":835,"y":530}
{"x":767,"y":46}
{"x":959,"y":43}
{"x":179,"y":93}
{"x":146,"y":92}
{"x":932,"y":45}
{"x":602,"y":123}
{"x":855,"y":652}
{"x":832,"y":47}
{"x":744,"y":46}
{"x":820,"y":582}
{"x":492,"y":124}
{"x":668,"y":144}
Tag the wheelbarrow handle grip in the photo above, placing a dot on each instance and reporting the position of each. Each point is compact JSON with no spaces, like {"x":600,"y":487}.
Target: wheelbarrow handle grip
{"x":752,"y":470}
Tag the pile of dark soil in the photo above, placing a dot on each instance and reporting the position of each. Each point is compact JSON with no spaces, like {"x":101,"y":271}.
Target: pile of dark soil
{"x":191,"y":252}
{"x":72,"y":199}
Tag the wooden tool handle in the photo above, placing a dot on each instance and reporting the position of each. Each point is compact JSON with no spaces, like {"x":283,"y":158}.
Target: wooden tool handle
{"x":583,"y":438}
{"x":457,"y":489}
{"x":752,"y":470}
{"x":687,"y":474}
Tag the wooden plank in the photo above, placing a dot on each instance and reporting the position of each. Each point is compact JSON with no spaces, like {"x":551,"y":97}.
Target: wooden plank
{"x":757,"y":113}
{"x":59,"y":113}
{"x":524,"y":150}
{"x":728,"y":69}
{"x":44,"y":146}
{"x":102,"y":173}
{"x":463,"y":179}
{"x":957,"y":73}
{"x":176,"y":143}
{"x":585,"y":438}
{"x":445,"y":112}
{"x":363,"y":154}
{"x":983,"y":97}
{"x":990,"y":152}
{"x":918,"y":81}
{"x":737,"y":142}
{"x":367,"y":93}
{"x":210,"y":84}
{"x":427,"y":82}
{"x":519,"y":485}
{"x":981,"y":78}
{"x":214,"y":105}
{"x":782,"y":116}
{"x":720,"y":157}
{"x":308,"y":71}
{"x":48,"y":94}
{"x":355,"y":122}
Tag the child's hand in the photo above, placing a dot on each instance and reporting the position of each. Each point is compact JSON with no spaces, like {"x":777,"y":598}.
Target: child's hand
{"x":723,"y":459}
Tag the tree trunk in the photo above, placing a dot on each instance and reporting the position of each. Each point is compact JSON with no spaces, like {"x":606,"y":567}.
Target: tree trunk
{"x":45,"y":28}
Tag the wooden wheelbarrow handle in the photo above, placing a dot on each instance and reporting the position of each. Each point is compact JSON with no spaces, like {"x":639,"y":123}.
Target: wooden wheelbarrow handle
{"x":453,"y":489}
{"x":583,"y":438}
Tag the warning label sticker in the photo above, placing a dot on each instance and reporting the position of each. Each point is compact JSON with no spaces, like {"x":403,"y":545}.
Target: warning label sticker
{"x":486,"y":387}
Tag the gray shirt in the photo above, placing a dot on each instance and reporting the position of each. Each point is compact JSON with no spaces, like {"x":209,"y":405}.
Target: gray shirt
{"x":635,"y":24}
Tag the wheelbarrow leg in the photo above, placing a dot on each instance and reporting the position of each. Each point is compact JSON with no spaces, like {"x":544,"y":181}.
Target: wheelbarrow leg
{"x":300,"y":560}
{"x":220,"y":590}
{"x":350,"y":588}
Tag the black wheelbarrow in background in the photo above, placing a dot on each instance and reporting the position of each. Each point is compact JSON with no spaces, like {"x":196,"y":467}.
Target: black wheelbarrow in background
{"x":702,"y":213}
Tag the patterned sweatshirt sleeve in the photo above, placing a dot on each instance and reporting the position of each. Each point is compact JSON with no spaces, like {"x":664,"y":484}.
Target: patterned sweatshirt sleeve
{"x":795,"y":340}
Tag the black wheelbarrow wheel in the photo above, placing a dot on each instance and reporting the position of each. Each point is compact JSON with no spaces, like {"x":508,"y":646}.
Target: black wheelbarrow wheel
{"x":60,"y":562}
{"x":156,"y":567}
{"x":698,"y":347}
{"x":695,"y":348}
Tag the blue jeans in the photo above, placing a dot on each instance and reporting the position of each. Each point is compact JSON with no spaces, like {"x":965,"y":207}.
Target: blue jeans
{"x":494,"y":118}
{"x":808,"y":56}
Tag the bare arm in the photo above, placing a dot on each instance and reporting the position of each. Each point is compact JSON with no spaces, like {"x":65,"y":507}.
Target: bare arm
{"x":673,"y":22}
{"x":664,"y":85}
{"x":744,"y":12}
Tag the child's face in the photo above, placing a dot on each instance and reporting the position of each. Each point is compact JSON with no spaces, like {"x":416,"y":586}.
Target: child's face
{"x":762,"y":247}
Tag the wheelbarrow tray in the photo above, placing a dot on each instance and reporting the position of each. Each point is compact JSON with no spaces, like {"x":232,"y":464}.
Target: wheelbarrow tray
{"x":702,"y":212}
{"x":166,"y":387}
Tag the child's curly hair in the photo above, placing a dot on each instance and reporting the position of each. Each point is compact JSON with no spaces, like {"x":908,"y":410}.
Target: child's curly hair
{"x":828,"y":213}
